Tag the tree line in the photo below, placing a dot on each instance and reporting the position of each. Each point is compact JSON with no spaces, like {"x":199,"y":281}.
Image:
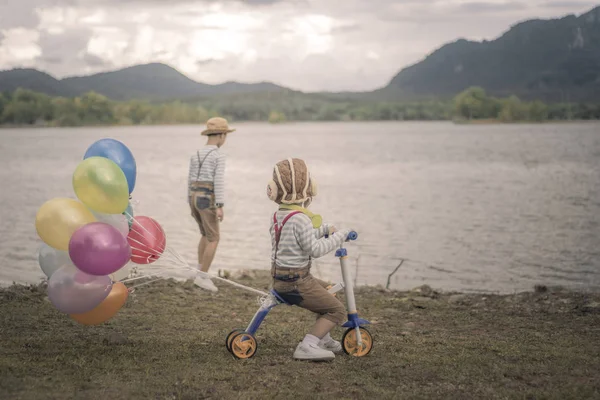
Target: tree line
{"x":474,"y":104}
{"x":25,"y":107}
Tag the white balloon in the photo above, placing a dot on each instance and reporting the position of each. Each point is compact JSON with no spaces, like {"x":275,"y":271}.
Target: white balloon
{"x":51,"y":259}
{"x":119,"y":221}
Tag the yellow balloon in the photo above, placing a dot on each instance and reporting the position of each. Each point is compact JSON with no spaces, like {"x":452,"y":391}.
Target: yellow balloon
{"x":107,"y":309}
{"x":101,"y":185}
{"x":57,"y":219}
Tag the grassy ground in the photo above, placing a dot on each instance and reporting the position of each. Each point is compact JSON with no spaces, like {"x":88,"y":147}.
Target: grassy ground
{"x":493,"y":121}
{"x":167,"y":342}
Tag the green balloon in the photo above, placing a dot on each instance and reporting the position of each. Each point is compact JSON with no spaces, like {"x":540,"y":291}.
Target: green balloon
{"x":101,"y":185}
{"x":129,"y":214}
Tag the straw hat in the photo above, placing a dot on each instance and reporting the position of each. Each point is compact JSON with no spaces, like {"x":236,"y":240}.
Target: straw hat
{"x":217,"y":125}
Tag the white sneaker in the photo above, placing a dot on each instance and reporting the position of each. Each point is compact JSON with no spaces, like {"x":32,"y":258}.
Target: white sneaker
{"x":205,"y":283}
{"x":312,"y":352}
{"x":331,"y":345}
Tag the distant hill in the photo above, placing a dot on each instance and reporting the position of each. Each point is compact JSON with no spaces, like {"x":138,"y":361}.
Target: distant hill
{"x":149,"y":81}
{"x":553,"y":60}
{"x":34,"y":80}
{"x":141,"y":81}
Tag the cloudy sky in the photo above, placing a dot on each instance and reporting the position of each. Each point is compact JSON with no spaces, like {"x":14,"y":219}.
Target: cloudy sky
{"x":309,"y":45}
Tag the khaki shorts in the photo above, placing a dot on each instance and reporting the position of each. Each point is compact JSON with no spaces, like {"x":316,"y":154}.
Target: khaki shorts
{"x":310,"y":293}
{"x":205,"y":213}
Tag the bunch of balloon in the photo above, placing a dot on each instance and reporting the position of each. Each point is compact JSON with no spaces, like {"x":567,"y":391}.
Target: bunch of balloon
{"x":145,"y":236}
{"x":87,"y":241}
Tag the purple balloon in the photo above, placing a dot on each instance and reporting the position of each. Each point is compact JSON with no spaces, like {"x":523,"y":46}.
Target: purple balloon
{"x":99,"y":249}
{"x":74,"y":292}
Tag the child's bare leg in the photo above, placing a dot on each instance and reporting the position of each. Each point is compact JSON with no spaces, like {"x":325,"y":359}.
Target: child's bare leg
{"x":322,"y":327}
{"x":201,"y":249}
{"x":210,"y":249}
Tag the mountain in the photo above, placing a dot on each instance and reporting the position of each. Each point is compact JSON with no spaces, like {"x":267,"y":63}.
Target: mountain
{"x":153,"y":81}
{"x":35,"y":80}
{"x":552,"y":60}
{"x":141,"y":81}
{"x":157,"y":81}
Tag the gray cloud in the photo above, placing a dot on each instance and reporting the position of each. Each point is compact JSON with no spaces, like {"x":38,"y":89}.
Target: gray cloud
{"x":50,"y":59}
{"x":22,"y":13}
{"x":208,"y":61}
{"x":18,"y":14}
{"x":67,"y":44}
{"x":66,"y":52}
{"x":93,"y":60}
{"x":260,"y":2}
{"x":303,"y":44}
{"x":353,"y":27}
{"x":173,"y":2}
{"x":483,"y":7}
{"x":569,"y":4}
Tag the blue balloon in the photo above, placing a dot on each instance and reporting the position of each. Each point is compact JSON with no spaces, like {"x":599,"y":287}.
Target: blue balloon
{"x":117,"y":152}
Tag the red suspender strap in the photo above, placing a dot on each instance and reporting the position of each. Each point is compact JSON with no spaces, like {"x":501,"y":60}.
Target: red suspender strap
{"x":278,"y":227}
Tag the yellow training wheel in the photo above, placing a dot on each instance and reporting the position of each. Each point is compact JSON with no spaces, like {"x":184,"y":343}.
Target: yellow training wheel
{"x":350,"y":344}
{"x":230,"y":337}
{"x":243,"y":345}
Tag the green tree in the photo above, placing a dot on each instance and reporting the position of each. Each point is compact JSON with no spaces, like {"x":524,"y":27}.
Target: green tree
{"x":65,"y":112}
{"x":3,"y":103}
{"x":27,"y":107}
{"x":276,"y":117}
{"x":513,"y":110}
{"x":95,"y":108}
{"x":471,"y":103}
{"x":19,"y":113}
{"x":538,"y":111}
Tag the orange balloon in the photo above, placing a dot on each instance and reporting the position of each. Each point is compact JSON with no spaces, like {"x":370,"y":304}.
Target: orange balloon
{"x":107,"y":309}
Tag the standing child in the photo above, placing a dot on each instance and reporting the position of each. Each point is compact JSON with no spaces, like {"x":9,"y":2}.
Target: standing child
{"x":298,"y":236}
{"x":206,"y":194}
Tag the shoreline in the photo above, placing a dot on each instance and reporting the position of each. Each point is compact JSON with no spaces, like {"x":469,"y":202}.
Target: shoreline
{"x":168,"y":342}
{"x":290,"y":122}
{"x":523,"y":122}
{"x":228,"y":274}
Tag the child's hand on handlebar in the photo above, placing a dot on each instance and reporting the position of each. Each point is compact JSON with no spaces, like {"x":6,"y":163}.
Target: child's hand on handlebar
{"x":344,"y":233}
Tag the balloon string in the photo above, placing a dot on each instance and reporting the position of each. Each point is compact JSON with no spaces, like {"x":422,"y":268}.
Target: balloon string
{"x":163,"y":268}
{"x":165,"y":248}
{"x":137,"y":278}
{"x":179,"y":263}
{"x":144,"y":250}
{"x":146,"y":283}
{"x":161,"y":248}
{"x":167,"y":253}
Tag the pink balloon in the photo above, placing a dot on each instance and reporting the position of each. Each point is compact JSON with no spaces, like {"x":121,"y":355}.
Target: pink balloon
{"x":147,"y":240}
{"x":99,"y":249}
{"x":74,"y":292}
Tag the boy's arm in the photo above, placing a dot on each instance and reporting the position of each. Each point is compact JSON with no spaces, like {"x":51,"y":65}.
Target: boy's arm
{"x":308,"y":242}
{"x":220,"y":180}
{"x":323,"y":230}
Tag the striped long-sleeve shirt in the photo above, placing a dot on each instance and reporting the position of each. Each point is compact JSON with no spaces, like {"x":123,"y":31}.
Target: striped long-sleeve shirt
{"x":213,"y":170}
{"x":299,"y":241}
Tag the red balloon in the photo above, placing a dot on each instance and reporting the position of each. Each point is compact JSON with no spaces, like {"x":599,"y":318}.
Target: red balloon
{"x":147,"y":240}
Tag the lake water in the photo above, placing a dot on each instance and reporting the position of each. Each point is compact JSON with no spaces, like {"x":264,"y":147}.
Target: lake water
{"x":495,"y":208}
